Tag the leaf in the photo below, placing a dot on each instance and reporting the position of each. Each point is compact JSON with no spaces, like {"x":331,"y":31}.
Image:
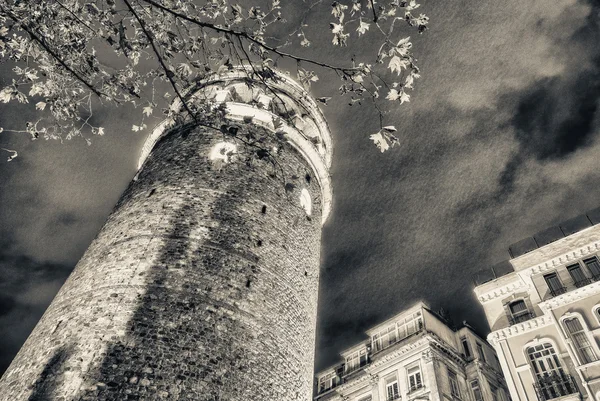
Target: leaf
{"x":404,"y":97}
{"x":147,"y":110}
{"x":337,"y":9}
{"x":363,"y":27}
{"x":100,"y":131}
{"x":389,"y":128}
{"x":324,"y":100}
{"x":380,"y":142}
{"x":393,"y":95}
{"x":397,"y":64}
{"x":40,"y":105}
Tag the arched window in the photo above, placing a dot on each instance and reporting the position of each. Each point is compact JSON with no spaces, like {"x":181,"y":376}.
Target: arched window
{"x":519,"y":311}
{"x":551,"y":380}
{"x":580,"y":339}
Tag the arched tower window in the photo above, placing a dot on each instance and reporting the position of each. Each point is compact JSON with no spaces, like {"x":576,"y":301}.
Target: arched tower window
{"x":519,"y":311}
{"x":551,"y":380}
{"x":581,"y":341}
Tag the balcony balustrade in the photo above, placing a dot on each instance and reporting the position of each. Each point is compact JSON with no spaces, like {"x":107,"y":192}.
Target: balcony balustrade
{"x":554,"y":386}
{"x":521,"y":318}
{"x":583,"y":282}
{"x":557,"y":291}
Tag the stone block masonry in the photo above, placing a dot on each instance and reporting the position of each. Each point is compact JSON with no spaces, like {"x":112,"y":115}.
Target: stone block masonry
{"x":202,"y":284}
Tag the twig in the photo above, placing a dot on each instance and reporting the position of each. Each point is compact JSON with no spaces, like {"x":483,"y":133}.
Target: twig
{"x":247,"y":37}
{"x":50,"y":51}
{"x":168,"y":72}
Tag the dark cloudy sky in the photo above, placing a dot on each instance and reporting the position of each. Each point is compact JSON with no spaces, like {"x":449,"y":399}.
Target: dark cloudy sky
{"x":501,"y":140}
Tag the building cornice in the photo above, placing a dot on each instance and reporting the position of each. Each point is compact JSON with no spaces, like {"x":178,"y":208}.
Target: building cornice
{"x":569,"y":257}
{"x":520,"y":328}
{"x":518,"y":284}
{"x":550,"y":264}
{"x":570,"y":296}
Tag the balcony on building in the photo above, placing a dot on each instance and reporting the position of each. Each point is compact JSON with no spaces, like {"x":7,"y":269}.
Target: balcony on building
{"x":555,"y":386}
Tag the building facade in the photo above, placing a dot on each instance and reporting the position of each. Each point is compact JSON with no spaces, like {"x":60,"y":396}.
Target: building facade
{"x":415,"y":355}
{"x":545,"y":318}
{"x":202,"y":284}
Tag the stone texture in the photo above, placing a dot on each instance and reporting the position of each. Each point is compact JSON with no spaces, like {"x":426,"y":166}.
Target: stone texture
{"x":202,"y":285}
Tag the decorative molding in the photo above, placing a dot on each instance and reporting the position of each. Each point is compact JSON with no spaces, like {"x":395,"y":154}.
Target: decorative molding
{"x":568,"y":257}
{"x":570,"y":296}
{"x":504,"y":290}
{"x":520,"y":328}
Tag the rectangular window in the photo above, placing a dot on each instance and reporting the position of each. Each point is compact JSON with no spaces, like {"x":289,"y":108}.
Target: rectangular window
{"x":384,"y":338}
{"x":578,"y":275}
{"x":356,"y":360}
{"x":392,"y":391}
{"x":415,"y":380}
{"x":480,"y":352}
{"x":328,"y":381}
{"x":465,"y":345}
{"x":410,"y":325}
{"x":476,"y":390}
{"x":554,"y":284}
{"x":594,"y":266}
{"x":519,"y":312}
{"x":494,"y":392}
{"x":453,"y":382}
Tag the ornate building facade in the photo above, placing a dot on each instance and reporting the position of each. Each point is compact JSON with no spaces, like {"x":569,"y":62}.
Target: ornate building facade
{"x":202,"y":284}
{"x":415,"y":355}
{"x":545,"y":314}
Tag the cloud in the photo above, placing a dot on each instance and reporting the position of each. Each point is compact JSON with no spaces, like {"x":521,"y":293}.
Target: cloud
{"x":27,"y":287}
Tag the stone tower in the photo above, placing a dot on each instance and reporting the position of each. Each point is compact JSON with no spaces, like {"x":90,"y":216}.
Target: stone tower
{"x":202,"y":284}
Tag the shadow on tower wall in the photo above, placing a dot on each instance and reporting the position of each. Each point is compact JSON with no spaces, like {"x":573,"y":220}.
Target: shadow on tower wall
{"x":180,"y":344}
{"x":48,"y":381}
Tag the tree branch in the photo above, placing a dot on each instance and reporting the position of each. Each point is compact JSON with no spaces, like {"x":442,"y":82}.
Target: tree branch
{"x":375,"y":16}
{"x":168,"y":72}
{"x":247,"y":37}
{"x":42,"y":43}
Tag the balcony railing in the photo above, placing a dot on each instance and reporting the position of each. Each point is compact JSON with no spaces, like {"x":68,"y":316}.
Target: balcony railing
{"x":554,"y":386}
{"x":557,"y":291}
{"x":521,"y":318}
{"x":583,"y":282}
{"x":393,"y":397}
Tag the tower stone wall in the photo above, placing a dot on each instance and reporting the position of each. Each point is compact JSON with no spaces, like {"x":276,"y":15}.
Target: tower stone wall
{"x":202,"y":284}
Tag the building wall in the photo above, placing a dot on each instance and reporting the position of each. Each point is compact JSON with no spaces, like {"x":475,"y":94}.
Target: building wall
{"x":201,"y":285}
{"x":547,"y":310}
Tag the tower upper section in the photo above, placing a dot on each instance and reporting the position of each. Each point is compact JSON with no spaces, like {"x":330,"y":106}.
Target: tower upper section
{"x":271,"y":100}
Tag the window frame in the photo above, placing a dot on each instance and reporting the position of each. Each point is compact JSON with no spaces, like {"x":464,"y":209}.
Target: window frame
{"x":355,"y":357}
{"x":592,"y":345}
{"x":597,"y":261}
{"x":464,"y":341}
{"x":478,"y":388}
{"x":584,"y":280}
{"x":453,"y":382}
{"x":418,"y":372}
{"x":390,"y":383}
{"x":480,"y":351}
{"x":516,"y":316}
{"x":555,"y":291}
